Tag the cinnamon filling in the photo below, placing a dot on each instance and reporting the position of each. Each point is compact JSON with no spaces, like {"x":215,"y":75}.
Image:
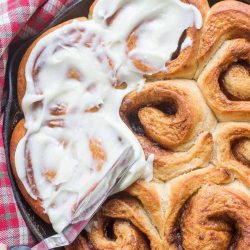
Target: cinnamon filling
{"x":231,"y":225}
{"x":94,"y":109}
{"x":122,"y":85}
{"x":74,"y":74}
{"x":175,"y":236}
{"x":56,"y":123}
{"x":110,"y":19}
{"x":109,"y":229}
{"x":37,"y":106}
{"x":241,"y":150}
{"x":37,"y":67}
{"x":135,"y":124}
{"x":58,"y":109}
{"x":235,"y":81}
{"x":212,"y":217}
{"x":50,"y":175}
{"x":98,"y":153}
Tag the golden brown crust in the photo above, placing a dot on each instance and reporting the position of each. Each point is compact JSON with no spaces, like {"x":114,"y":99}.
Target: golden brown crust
{"x":208,"y":208}
{"x":18,"y":133}
{"x":139,"y":233}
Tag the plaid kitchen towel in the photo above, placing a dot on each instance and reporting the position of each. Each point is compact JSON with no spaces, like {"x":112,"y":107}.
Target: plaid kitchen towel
{"x":19,"y":19}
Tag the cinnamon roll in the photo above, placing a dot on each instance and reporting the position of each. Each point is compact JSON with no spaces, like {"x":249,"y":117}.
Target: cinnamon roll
{"x":168,"y":123}
{"x":36,"y":204}
{"x":224,"y":81}
{"x":208,"y":209}
{"x":232,"y":147}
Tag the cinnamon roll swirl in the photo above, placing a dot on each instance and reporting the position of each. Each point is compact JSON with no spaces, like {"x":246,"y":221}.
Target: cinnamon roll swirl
{"x":226,"y":20}
{"x":168,"y":123}
{"x":232,"y":147}
{"x":139,"y":209}
{"x":224,"y":80}
{"x":208,"y":209}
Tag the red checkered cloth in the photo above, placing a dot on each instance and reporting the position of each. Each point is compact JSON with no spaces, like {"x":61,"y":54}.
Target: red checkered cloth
{"x":19,"y":19}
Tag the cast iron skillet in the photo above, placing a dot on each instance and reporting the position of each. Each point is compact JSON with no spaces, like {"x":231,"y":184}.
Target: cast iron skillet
{"x":39,"y":228}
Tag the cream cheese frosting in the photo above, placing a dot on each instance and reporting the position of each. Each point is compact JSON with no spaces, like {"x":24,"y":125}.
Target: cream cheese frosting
{"x":74,"y":78}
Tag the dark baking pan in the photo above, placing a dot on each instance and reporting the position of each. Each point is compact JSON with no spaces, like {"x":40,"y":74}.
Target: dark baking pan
{"x":39,"y":228}
{"x":13,"y":114}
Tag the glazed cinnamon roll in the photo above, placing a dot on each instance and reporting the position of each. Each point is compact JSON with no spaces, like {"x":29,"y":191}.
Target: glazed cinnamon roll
{"x":36,"y":204}
{"x":148,"y":34}
{"x":168,"y":123}
{"x":232,"y":147}
{"x":207,"y":208}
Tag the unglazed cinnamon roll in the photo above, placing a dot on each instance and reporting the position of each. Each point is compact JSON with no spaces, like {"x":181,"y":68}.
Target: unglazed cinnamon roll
{"x":168,"y":123}
{"x":205,"y":209}
{"x":224,"y":56}
{"x":232,"y":147}
{"x":141,"y":208}
{"x":224,"y":82}
{"x":208,"y":209}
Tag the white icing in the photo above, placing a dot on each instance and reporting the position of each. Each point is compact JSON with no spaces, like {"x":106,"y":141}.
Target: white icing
{"x":157,"y":37}
{"x":58,"y":146}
